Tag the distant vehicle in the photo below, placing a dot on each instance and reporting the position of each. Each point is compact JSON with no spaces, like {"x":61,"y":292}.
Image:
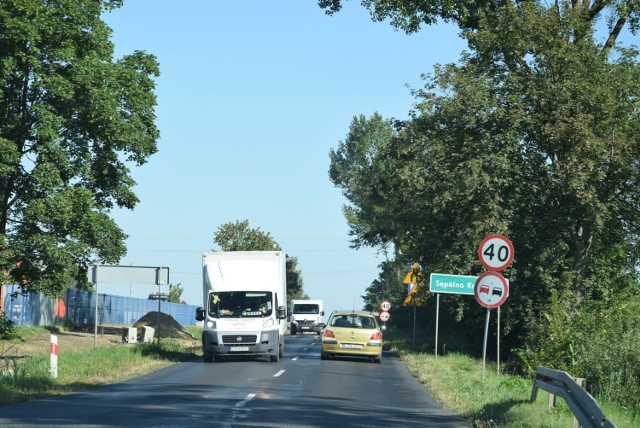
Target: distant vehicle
{"x":352,"y":333}
{"x":306,"y":315}
{"x":245,"y":294}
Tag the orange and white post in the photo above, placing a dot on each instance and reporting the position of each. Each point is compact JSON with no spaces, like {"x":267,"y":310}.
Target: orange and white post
{"x":53,"y":347}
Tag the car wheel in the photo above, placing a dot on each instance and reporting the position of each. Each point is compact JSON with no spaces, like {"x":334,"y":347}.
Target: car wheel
{"x":324,"y":356}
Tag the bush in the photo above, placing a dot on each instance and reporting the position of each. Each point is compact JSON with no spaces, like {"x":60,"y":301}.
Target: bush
{"x":597,"y":343}
{"x":7,"y":329}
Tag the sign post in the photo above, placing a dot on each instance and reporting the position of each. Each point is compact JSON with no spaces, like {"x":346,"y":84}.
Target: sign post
{"x":495,"y":253}
{"x":385,"y":306}
{"x":127,"y":275}
{"x":449,"y":284}
{"x":491,"y":291}
{"x":53,"y":349}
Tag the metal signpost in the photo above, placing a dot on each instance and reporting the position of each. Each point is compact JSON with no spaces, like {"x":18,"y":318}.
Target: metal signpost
{"x":449,"y":284}
{"x":116,"y":274}
{"x":492,"y":289}
{"x":385,"y":307}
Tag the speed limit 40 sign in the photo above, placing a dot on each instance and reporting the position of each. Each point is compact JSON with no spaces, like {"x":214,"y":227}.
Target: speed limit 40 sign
{"x":495,"y":252}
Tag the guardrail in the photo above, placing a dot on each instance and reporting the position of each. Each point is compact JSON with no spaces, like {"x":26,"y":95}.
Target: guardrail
{"x":584,"y":407}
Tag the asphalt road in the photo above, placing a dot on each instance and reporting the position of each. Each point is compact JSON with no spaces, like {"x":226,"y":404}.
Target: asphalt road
{"x":299,"y":391}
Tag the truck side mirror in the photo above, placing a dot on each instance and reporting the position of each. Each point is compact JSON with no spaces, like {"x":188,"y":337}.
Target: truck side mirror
{"x":200,"y":313}
{"x":322,"y":313}
{"x":282,"y":313}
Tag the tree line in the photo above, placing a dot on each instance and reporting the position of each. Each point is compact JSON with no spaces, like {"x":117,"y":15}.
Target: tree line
{"x":532,"y":134}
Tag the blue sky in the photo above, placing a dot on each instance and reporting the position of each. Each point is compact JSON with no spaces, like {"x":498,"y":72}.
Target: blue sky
{"x":251,"y":98}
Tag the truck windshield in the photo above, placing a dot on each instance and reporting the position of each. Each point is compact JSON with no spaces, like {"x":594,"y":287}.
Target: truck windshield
{"x":240,"y":304}
{"x":306,"y":308}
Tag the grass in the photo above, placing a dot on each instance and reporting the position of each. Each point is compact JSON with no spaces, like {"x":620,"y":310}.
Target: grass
{"x":78,"y":370}
{"x":498,"y":400}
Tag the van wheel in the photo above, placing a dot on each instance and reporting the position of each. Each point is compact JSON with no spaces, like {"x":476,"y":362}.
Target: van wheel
{"x":208,"y":358}
{"x":275,"y":358}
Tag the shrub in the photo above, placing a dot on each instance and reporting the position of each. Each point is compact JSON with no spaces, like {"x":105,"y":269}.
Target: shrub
{"x":6,"y":327}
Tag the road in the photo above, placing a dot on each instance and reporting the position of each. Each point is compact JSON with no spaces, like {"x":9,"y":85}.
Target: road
{"x":299,"y":391}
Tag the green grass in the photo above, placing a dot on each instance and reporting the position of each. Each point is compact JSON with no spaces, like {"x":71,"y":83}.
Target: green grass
{"x":497,"y":400}
{"x":30,"y":378}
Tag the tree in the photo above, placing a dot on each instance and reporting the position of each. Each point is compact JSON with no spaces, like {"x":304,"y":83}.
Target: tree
{"x":72,"y":122}
{"x":175,"y":292}
{"x":239,"y":236}
{"x":410,"y":15}
{"x":534,"y":134}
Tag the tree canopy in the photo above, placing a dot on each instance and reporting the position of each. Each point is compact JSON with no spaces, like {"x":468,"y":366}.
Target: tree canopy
{"x":73,"y":120}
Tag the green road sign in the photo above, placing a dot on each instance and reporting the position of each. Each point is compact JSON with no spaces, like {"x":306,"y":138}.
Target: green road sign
{"x":452,"y":284}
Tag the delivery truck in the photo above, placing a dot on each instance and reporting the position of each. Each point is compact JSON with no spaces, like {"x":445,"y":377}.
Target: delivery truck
{"x":245,"y":298}
{"x":306,"y":315}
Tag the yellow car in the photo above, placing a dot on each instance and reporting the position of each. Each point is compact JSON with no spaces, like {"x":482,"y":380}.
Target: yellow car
{"x":352,"y":333}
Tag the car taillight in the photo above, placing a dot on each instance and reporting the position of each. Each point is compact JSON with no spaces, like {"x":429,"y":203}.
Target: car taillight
{"x":328,"y":333}
{"x":376,"y":336}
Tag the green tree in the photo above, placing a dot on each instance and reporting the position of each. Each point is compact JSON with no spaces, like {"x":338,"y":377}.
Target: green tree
{"x":534,"y":134}
{"x":175,"y":293}
{"x":72,"y":122}
{"x":239,"y":236}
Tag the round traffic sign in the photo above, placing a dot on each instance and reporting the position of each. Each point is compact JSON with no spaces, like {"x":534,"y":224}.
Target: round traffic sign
{"x":495,"y":252}
{"x":385,"y":305}
{"x":384,"y":316}
{"x":491,"y":290}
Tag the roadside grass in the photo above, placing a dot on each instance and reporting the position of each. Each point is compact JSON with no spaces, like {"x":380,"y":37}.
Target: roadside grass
{"x":30,"y":378}
{"x":498,"y":400}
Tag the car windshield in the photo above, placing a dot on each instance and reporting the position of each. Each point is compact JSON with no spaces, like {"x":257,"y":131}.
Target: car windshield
{"x":306,"y":308}
{"x":353,"y":321}
{"x":240,"y":304}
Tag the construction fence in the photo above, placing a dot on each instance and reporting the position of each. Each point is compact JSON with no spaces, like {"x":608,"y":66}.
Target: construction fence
{"x":79,"y":308}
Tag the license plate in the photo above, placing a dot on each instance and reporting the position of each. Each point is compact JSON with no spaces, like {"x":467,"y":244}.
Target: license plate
{"x":351,"y":346}
{"x":238,"y":348}
{"x":305,"y":328}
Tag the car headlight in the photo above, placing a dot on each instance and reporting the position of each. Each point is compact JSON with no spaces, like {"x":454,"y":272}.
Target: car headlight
{"x":211,"y":324}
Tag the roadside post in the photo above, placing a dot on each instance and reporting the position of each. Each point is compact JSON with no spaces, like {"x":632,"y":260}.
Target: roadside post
{"x":53,"y":348}
{"x":492,"y":289}
{"x":117,"y":274}
{"x":449,"y":284}
{"x":385,"y":307}
{"x":412,"y":279}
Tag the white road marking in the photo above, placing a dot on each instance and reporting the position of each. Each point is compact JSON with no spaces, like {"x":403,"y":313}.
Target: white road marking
{"x":246,"y":399}
{"x":279,"y":373}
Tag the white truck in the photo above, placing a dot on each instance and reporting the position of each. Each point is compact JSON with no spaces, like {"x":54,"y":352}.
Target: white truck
{"x":245,"y":298}
{"x":306,"y":315}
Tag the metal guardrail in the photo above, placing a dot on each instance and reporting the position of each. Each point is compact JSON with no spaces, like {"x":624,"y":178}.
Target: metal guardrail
{"x":584,"y":407}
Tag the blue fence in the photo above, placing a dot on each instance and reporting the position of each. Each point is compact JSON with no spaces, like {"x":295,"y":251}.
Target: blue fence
{"x":78,"y":307}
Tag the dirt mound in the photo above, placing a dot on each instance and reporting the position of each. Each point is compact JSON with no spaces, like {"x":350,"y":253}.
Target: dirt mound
{"x":169,"y":327}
